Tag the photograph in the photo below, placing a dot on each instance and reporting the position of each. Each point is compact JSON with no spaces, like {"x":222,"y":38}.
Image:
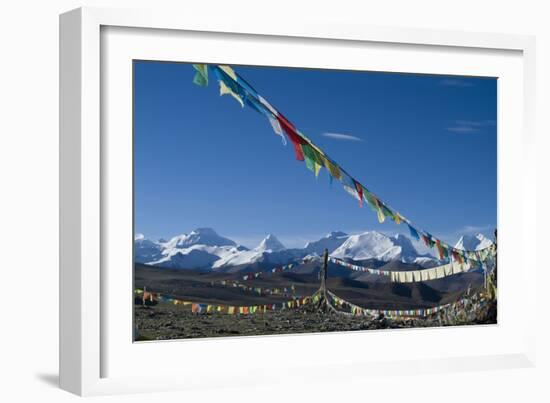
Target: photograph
{"x":273,"y":200}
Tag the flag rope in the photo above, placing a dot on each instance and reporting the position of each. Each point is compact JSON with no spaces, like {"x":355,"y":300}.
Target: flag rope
{"x":279,"y":269}
{"x":357,"y":310}
{"x":202,"y":308}
{"x":234,"y":85}
{"x":284,"y":291}
{"x":413,"y":276}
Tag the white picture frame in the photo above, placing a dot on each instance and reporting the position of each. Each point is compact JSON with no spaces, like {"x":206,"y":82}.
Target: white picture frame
{"x":97,"y":357}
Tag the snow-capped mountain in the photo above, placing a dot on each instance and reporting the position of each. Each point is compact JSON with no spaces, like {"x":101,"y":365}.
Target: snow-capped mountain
{"x":198,"y":249}
{"x":270,"y":244}
{"x":374,"y":245}
{"x":203,"y":248}
{"x":269,"y":251}
{"x":331,"y":241}
{"x":473,"y":242}
{"x":146,"y":250}
{"x":200,"y":236}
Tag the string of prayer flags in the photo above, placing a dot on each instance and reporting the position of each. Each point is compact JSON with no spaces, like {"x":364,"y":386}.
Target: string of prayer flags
{"x":356,"y":310}
{"x":284,"y":291}
{"x":305,"y":150}
{"x":201,"y":308}
{"x":279,"y":269}
{"x":410,"y":276}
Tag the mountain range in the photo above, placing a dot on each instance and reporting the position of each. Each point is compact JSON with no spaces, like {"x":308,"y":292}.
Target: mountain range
{"x":203,"y":248}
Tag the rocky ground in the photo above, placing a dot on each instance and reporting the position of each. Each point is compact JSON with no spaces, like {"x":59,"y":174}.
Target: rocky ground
{"x":166,"y":321}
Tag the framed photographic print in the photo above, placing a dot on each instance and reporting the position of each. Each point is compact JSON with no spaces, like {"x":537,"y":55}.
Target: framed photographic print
{"x":265,"y":192}
{"x":189,"y":145}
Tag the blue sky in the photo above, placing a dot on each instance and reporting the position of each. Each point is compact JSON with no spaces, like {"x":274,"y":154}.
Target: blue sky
{"x":424,"y":144}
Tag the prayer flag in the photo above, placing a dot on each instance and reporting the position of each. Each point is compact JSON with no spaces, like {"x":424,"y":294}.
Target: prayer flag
{"x":228,"y":84}
{"x":310,"y":163}
{"x":387,"y":212}
{"x":317,"y":169}
{"x":397,"y":218}
{"x":229,"y":71}
{"x":359,"y":189}
{"x":224,"y":89}
{"x":440,"y":249}
{"x":333,"y":169}
{"x":413,"y":232}
{"x":201,"y":76}
{"x":428,"y":241}
{"x":277,"y":128}
{"x":292,"y":134}
{"x":375,"y":204}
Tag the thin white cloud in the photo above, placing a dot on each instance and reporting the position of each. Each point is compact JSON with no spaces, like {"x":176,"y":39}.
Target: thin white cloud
{"x":454,"y":82}
{"x":463,"y":129}
{"x":475,"y":229}
{"x":341,"y":136}
{"x":476,"y":123}
{"x":470,"y":126}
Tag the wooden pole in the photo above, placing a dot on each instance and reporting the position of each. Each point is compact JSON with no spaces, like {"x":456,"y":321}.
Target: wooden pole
{"x":324,"y":275}
{"x":323,"y":304}
{"x":496,"y":257}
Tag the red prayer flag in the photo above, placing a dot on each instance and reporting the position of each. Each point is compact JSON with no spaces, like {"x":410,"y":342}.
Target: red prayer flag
{"x":291,"y":132}
{"x":455,"y":256}
{"x":440,"y":249}
{"x":359,"y":190}
{"x":426,"y":240}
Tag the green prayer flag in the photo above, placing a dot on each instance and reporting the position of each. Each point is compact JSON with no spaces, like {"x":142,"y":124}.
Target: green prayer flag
{"x":310,"y":157}
{"x":201,"y":76}
{"x":387,"y":212}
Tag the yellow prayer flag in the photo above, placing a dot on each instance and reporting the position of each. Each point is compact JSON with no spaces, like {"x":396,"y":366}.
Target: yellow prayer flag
{"x":397,"y":218}
{"x":317,"y":169}
{"x":224,"y":89}
{"x":229,"y":71}
{"x":333,"y":169}
{"x":380,"y":215}
{"x":379,"y":212}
